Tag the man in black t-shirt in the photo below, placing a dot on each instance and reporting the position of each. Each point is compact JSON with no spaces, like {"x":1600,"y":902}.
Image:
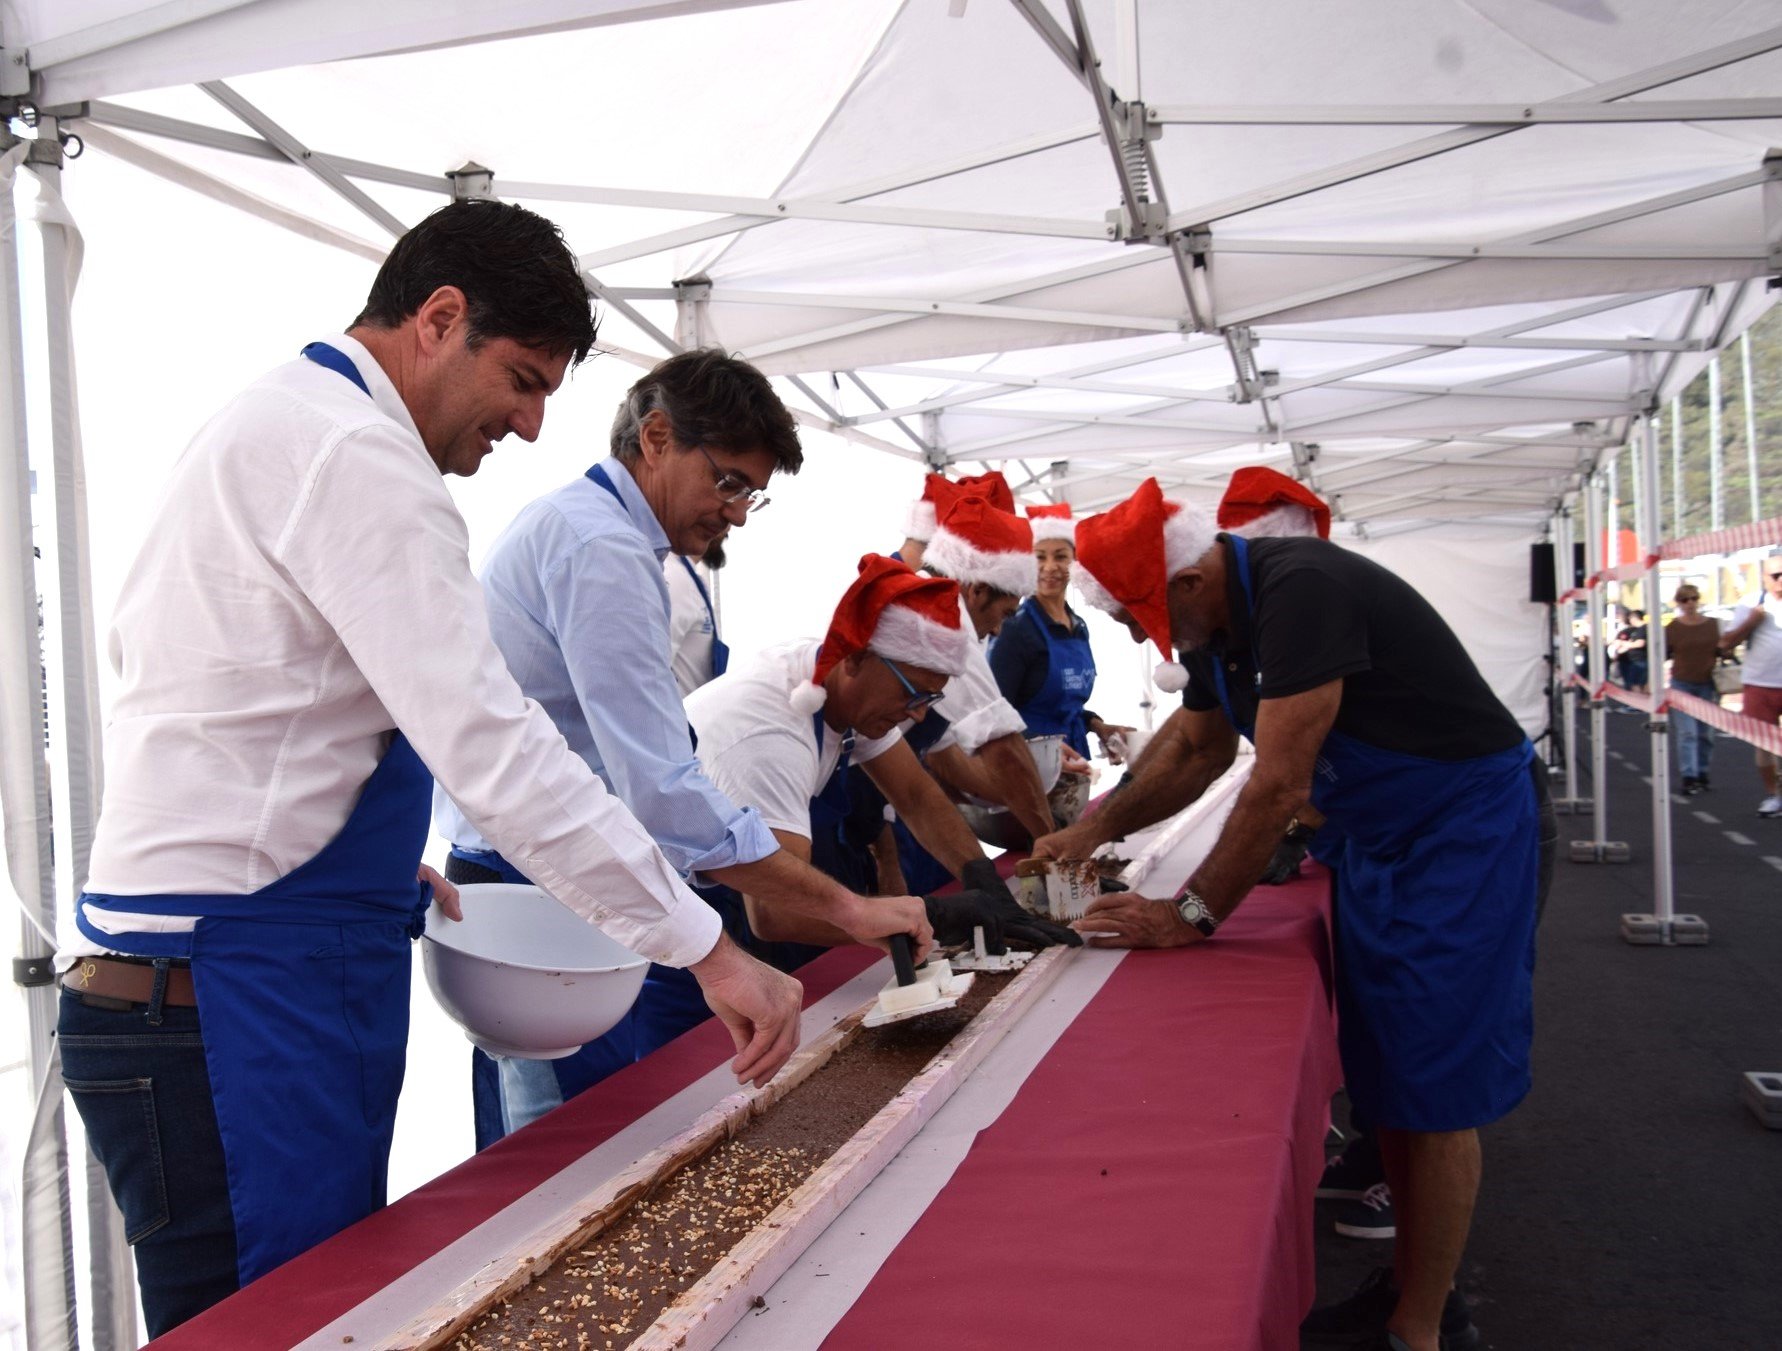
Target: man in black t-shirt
{"x":1359,"y":699}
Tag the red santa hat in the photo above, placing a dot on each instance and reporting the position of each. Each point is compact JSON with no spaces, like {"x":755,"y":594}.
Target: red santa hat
{"x":1126,"y":556}
{"x":1261,"y":503}
{"x":977,"y":542}
{"x":939,"y":492}
{"x":1051,"y":520}
{"x":899,"y":614}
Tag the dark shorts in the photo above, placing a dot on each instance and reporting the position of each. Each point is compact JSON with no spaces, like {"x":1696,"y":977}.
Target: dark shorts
{"x":1435,"y":964}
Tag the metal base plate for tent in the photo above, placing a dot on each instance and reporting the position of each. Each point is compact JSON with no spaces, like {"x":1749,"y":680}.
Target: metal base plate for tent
{"x":1762,"y":1092}
{"x":1682,"y":931}
{"x":1609,"y":851}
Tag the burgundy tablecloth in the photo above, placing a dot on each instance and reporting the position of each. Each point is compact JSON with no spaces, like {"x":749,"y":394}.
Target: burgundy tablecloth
{"x":1199,"y":1080}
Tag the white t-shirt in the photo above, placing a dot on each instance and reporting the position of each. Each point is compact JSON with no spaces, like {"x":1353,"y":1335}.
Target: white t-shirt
{"x":1763,"y":645}
{"x":973,"y":706}
{"x":304,"y":588}
{"x":762,"y":752}
{"x":690,"y":629}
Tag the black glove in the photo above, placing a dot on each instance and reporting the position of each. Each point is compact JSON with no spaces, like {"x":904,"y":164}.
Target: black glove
{"x":955,"y":915}
{"x":1289,"y":854}
{"x":981,"y":875}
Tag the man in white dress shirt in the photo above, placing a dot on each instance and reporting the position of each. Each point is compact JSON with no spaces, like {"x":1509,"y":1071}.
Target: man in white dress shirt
{"x":773,"y":730}
{"x":300,"y":641}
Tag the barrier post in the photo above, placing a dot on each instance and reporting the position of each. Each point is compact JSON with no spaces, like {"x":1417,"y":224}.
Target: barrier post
{"x":1599,"y":848}
{"x":1570,"y":804}
{"x":1663,"y":926}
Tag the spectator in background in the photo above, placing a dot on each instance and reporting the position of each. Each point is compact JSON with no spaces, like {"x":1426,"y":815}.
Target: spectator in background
{"x":1628,"y":649}
{"x":1758,"y":624}
{"x":1693,"y":640}
{"x":695,"y":650}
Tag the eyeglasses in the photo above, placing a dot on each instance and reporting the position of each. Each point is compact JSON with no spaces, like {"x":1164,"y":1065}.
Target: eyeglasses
{"x":733,"y":487}
{"x":1774,"y":576}
{"x":918,"y":699}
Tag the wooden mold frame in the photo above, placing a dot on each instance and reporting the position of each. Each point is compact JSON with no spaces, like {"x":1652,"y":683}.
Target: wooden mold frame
{"x":707,"y":1310}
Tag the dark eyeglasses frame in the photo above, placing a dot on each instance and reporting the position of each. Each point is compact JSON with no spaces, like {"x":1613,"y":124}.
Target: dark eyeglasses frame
{"x":732,"y":487}
{"x":919,"y":699}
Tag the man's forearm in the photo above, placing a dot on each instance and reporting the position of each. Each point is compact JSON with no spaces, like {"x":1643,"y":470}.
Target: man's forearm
{"x":789,"y":901}
{"x":1171,"y":773}
{"x":1015,"y":782}
{"x":1247,"y":843}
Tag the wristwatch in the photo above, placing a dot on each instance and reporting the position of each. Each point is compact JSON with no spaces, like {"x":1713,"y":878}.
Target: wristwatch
{"x":1194,"y":912}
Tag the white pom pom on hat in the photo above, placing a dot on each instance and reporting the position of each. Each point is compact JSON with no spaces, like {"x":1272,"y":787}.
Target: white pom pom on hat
{"x":1171,"y":677}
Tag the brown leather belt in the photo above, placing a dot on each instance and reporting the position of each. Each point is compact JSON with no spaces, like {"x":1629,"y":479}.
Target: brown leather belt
{"x":128,"y":981}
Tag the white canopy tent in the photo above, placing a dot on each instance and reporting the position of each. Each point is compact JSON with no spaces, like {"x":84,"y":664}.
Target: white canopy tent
{"x":1433,"y":258}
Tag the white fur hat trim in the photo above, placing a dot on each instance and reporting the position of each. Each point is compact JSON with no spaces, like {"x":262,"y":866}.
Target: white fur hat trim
{"x":920,"y":523}
{"x":903,"y":635}
{"x":958,"y":558}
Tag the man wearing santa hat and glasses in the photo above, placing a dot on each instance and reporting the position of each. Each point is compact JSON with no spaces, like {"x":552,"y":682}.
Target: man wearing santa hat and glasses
{"x":1360,"y":699}
{"x":773,"y":730}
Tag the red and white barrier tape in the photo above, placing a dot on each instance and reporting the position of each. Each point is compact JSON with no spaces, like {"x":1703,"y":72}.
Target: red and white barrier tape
{"x":1763,"y":735}
{"x":1752,"y":536}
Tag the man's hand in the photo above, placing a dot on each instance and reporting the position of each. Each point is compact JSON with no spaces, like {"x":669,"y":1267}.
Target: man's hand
{"x":1113,"y":741}
{"x":1129,"y":921}
{"x":1073,"y":842}
{"x":980,"y":875}
{"x":1072,"y":763}
{"x":876,"y":918}
{"x":444,"y":893}
{"x":759,"y":1005}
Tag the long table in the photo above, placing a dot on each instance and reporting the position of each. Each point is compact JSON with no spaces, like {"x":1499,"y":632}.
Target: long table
{"x":1134,"y":1166}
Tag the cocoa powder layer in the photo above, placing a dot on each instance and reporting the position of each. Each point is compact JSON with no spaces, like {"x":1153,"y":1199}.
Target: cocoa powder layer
{"x":606,"y":1291}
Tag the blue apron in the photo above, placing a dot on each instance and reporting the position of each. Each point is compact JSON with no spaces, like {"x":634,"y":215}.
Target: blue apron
{"x":302,"y":992}
{"x":1057,"y":710}
{"x":720,"y":649}
{"x":1434,"y":863}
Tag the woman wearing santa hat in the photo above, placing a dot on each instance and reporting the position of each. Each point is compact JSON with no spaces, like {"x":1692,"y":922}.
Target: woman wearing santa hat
{"x":1042,"y":660}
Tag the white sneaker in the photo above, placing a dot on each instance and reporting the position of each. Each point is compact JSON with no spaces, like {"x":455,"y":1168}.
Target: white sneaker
{"x":1770,"y":806}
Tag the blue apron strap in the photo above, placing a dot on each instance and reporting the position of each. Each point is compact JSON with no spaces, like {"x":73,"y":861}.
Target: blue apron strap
{"x":1240,"y":550}
{"x":720,"y":649}
{"x":338,"y":362}
{"x":598,"y":474}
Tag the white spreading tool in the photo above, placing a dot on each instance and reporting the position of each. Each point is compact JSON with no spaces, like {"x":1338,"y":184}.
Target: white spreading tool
{"x":915,"y":990}
{"x":981,"y":959}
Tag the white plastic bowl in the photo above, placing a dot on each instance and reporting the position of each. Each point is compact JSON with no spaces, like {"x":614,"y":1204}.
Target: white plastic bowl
{"x":991,"y":822}
{"x":525,"y":976}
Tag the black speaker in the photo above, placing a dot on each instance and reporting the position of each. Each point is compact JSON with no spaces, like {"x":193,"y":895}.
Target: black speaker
{"x":1578,"y":572}
{"x":1543,"y":588}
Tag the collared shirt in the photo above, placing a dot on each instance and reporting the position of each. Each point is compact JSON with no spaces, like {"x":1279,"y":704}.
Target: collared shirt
{"x":579,"y":608}
{"x":305,"y":588}
{"x":973,"y":704}
{"x":762,"y":751}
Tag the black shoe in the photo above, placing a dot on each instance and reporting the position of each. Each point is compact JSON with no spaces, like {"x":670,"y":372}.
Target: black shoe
{"x":1348,"y":1176}
{"x":1691,"y":787}
{"x":1360,"y":1320}
{"x":1369,"y":1217}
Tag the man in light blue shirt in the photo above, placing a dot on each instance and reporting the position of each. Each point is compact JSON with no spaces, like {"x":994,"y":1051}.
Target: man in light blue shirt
{"x":580,"y":609}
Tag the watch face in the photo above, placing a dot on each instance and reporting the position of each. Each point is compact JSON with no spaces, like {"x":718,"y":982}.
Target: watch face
{"x":1191,"y":909}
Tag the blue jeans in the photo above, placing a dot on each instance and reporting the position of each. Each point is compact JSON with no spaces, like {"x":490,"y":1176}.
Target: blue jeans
{"x":139,"y":1081}
{"x":1695,"y":738}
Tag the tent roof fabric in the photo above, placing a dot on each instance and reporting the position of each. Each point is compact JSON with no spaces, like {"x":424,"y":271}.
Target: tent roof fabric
{"x":1432,"y":256}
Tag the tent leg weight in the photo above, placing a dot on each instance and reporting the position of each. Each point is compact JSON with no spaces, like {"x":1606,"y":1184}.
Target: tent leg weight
{"x":1762,"y":1092}
{"x":1573,"y":806}
{"x":1680,"y":931}
{"x":1610,"y":851}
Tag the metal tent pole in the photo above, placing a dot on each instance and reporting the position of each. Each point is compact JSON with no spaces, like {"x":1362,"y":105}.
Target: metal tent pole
{"x":1568,"y":702}
{"x":76,"y":732}
{"x":1663,"y":925}
{"x":1716,"y":496}
{"x":1677,"y":530}
{"x":48,"y":1239}
{"x":1598,"y":848}
{"x":1750,"y":426}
